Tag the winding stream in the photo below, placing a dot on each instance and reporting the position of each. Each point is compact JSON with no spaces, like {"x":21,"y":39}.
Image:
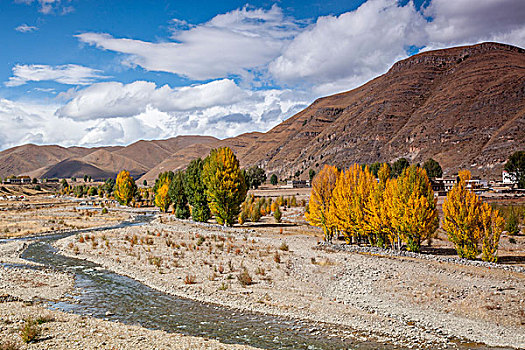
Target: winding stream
{"x":104,"y":294}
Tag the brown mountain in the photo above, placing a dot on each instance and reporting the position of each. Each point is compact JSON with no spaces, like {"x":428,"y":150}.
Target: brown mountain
{"x":463,"y":106}
{"x":98,"y":162}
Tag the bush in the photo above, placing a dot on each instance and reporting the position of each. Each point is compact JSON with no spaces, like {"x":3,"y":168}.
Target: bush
{"x":29,"y":331}
{"x":277,"y":215}
{"x":104,"y":210}
{"x":512,"y":223}
{"x":284,"y":247}
{"x":189,"y":279}
{"x":244,"y":278}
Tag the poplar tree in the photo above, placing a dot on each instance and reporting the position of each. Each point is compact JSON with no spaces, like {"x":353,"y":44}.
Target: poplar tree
{"x":225,"y":185}
{"x":178,"y":197}
{"x":411,"y":207}
{"x":318,"y":213}
{"x":161,"y":190}
{"x":196,"y":191}
{"x":350,"y":197}
{"x":470,"y":223}
{"x":125,"y":188}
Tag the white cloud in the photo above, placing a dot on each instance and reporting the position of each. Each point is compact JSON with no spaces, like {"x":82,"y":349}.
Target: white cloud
{"x":113,"y":99}
{"x":71,"y":74}
{"x":119,"y":114}
{"x":24,"y":28}
{"x":228,"y":44}
{"x":352,"y":46}
{"x":49,"y":6}
{"x":471,"y":21}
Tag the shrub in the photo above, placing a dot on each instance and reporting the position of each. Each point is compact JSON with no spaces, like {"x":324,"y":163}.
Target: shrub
{"x":277,"y":257}
{"x":277,"y":215}
{"x":189,"y":279}
{"x":244,"y":278}
{"x":29,"y":331}
{"x":512,"y":223}
{"x":104,"y":210}
{"x":284,"y":247}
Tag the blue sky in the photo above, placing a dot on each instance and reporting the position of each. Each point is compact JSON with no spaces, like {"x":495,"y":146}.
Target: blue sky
{"x":90,"y":72}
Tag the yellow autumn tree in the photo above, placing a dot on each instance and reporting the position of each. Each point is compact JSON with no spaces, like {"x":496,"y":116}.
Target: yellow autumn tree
{"x":162,"y":199}
{"x":411,"y":208}
{"x":376,"y":221}
{"x":491,"y":226}
{"x":161,"y":190}
{"x":318,"y":213}
{"x":350,"y":197}
{"x":125,"y":188}
{"x":470,"y":223}
{"x":225,"y":185}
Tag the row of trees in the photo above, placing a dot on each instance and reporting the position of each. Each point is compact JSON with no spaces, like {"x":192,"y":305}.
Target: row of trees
{"x":213,"y":186}
{"x":397,"y":211}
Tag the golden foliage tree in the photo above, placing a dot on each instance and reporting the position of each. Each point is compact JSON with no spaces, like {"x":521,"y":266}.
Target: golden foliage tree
{"x":161,"y":189}
{"x":350,"y":197}
{"x":318,"y":213}
{"x":470,"y":223}
{"x":125,"y":188}
{"x":225,"y":185}
{"x":411,"y":208}
{"x":376,"y":220}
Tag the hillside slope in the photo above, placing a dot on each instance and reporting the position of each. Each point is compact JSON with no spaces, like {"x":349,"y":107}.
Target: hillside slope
{"x":463,"y":106}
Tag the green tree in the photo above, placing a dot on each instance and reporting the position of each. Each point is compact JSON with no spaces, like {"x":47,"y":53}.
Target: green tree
{"x":64,"y":184}
{"x":311,"y":174}
{"x":277,"y":215}
{"x":255,"y":176}
{"x":273,"y":179}
{"x":125,"y":188}
{"x":516,"y":167}
{"x":433,"y":168}
{"x":374,"y":168}
{"x":145,"y":183}
{"x":85,"y":178}
{"x":196,"y":191}
{"x":398,"y":166}
{"x":178,"y":197}
{"x":35,"y":180}
{"x":225,"y":185}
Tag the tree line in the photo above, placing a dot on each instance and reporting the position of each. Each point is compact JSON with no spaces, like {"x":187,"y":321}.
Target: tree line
{"x":401,"y":211}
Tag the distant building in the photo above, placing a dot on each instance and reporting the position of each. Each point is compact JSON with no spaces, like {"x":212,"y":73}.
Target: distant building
{"x":17,"y":180}
{"x":442,"y":185}
{"x":508,"y":178}
{"x":297,"y":184}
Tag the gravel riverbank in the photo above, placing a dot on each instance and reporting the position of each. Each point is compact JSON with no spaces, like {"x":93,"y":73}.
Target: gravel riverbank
{"x":401,"y":300}
{"x":23,"y":295}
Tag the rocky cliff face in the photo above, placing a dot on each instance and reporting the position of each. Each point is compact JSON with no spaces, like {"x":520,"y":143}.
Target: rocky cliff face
{"x":463,"y":106}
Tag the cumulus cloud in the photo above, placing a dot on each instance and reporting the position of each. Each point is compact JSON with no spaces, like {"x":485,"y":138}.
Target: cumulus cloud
{"x":106,"y":113}
{"x":338,"y":53}
{"x":354,"y":45}
{"x":114,"y":99}
{"x":24,"y":28}
{"x":471,"y":21}
{"x":70,"y":74}
{"x":229,"y":44}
